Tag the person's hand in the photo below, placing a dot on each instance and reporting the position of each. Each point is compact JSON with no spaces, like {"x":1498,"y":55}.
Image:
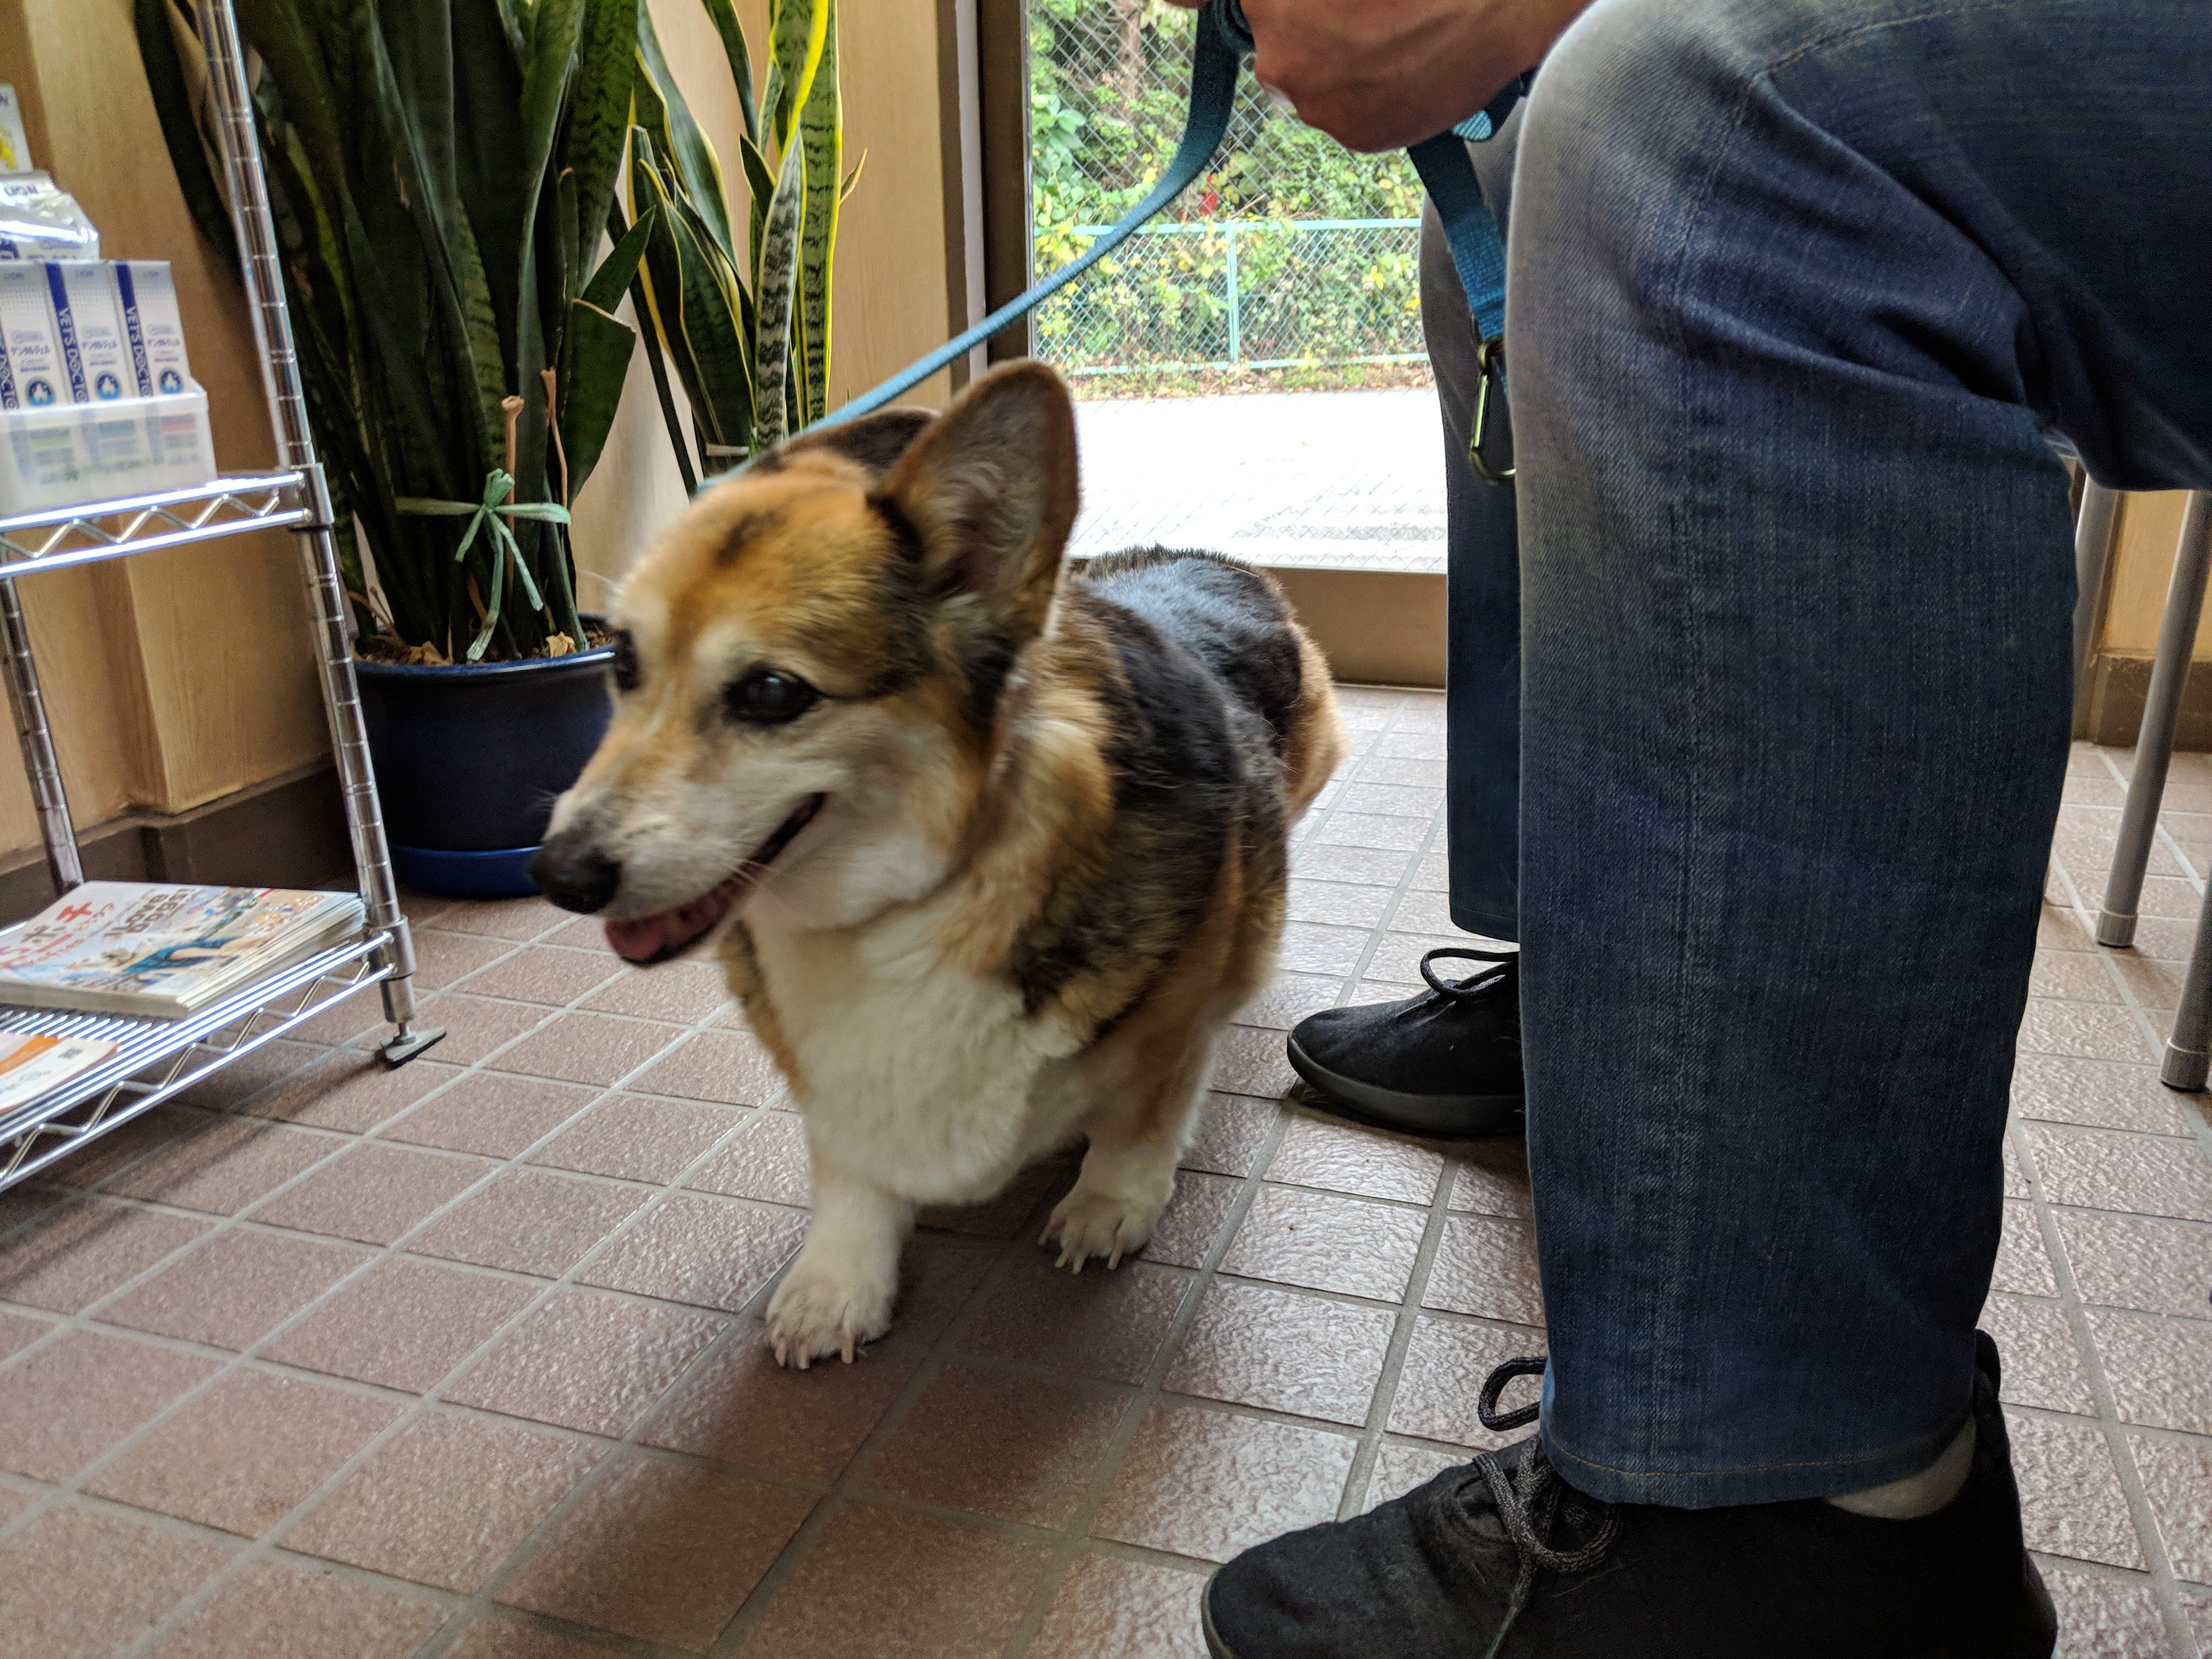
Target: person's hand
{"x":1383,"y":74}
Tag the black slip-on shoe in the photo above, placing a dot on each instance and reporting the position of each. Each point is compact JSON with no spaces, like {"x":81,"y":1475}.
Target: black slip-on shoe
{"x":1502,"y":1560}
{"x":1446,"y":1063}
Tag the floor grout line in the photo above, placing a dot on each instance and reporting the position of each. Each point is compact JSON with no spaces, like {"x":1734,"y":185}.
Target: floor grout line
{"x":2074,"y":1308}
{"x":855,"y":1481}
{"x":258,"y":1547}
{"x":1145,"y":1400}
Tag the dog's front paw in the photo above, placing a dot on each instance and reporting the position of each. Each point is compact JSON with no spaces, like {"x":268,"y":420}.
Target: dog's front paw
{"x":821,"y":1309}
{"x":1090,"y":1222}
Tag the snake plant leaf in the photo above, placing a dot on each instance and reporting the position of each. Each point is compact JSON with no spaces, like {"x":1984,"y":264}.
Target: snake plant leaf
{"x":414,"y":42}
{"x":711,"y":291}
{"x":595,"y":353}
{"x":604,"y":290}
{"x":661,"y":274}
{"x":488,"y":136}
{"x":481,"y":324}
{"x":821,"y":142}
{"x":459,"y":304}
{"x":668,"y":118}
{"x":691,"y":291}
{"x":598,"y":123}
{"x":760,"y":184}
{"x":779,"y":266}
{"x":555,"y":28}
{"x":511,"y":14}
{"x":166,"y":78}
{"x":725,"y":18}
{"x":648,"y":329}
{"x":851,"y":177}
{"x":796,"y":35}
{"x":277,"y":34}
{"x":561,"y":188}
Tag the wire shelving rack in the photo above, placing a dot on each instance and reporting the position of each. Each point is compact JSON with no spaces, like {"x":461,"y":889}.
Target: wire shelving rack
{"x":155,"y":1059}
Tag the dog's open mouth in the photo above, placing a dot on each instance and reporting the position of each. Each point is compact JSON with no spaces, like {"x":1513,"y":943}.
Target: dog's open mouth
{"x":657,"y":938}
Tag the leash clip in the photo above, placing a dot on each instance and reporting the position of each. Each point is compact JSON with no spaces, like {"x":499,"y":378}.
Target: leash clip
{"x":1489,"y":362}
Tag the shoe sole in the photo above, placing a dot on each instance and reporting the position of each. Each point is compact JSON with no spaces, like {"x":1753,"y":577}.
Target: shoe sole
{"x":1439,"y":1117}
{"x":2030,"y":1629}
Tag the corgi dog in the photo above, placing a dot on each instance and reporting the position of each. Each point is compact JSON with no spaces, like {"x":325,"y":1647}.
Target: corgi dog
{"x":989,"y":851}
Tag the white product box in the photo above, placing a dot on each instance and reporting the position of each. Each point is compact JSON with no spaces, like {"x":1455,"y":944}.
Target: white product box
{"x":153,"y":327}
{"x":31,"y":373}
{"x":96,"y":359}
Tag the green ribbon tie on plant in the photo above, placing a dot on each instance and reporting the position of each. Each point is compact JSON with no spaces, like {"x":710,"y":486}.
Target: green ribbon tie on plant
{"x":489,"y":515}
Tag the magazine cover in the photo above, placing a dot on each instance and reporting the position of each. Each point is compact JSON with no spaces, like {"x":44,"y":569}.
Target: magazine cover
{"x":132,"y":947}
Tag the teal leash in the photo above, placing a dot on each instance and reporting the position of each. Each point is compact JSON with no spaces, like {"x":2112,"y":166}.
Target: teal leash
{"x":1223,"y":39}
{"x":1212,"y":98}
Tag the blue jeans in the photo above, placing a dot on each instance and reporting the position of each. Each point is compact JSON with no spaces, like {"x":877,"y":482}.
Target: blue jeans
{"x":1482,"y":691}
{"x":1802,"y":292}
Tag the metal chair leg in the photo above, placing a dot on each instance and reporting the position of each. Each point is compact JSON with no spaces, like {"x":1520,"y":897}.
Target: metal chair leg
{"x":2186,"y":1050}
{"x":2093,"y":557}
{"x":2177,"y":641}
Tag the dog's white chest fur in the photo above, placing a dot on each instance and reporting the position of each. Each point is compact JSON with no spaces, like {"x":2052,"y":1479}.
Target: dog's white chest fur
{"x":922,"y":1077}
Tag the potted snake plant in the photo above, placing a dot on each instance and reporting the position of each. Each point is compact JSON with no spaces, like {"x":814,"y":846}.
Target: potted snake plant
{"x":447,"y":183}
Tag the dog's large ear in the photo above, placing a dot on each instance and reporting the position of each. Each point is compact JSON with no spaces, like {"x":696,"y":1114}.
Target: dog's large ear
{"x":990,"y":489}
{"x":877,"y":441}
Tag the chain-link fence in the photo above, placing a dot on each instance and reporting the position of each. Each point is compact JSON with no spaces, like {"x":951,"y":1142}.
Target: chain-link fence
{"x":1233,"y":294}
{"x":1290,"y":251}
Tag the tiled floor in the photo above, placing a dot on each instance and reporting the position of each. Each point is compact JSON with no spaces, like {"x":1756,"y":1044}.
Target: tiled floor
{"x":329,"y":1362}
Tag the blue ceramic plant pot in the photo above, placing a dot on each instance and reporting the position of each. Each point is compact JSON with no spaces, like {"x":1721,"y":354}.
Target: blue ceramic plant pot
{"x":469,"y":760}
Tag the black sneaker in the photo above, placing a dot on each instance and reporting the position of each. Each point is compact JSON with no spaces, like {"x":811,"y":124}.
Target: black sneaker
{"x":1502,"y":1558}
{"x":1446,"y":1063}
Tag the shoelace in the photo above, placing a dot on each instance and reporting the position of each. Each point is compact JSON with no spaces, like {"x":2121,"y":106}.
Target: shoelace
{"x":1507,"y":964}
{"x":1530,"y":1498}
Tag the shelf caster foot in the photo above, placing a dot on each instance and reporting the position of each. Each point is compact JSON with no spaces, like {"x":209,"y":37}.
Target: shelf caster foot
{"x":405,"y":1043}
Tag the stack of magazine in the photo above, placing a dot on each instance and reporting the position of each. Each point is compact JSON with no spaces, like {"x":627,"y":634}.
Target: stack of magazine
{"x":159,"y":951}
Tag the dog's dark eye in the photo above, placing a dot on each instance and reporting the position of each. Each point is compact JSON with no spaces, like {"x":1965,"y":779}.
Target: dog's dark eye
{"x":625,"y":663}
{"x":766,"y":697}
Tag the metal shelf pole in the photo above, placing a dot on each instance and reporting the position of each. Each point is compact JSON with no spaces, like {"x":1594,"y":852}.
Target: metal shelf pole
{"x":40,"y":764}
{"x":295,"y":448}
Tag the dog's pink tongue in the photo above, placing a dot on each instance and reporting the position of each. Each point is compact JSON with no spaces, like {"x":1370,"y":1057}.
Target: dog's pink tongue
{"x":650,"y":938}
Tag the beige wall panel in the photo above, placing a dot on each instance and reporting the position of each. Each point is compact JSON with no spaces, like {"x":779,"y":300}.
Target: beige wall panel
{"x":2142,"y":565}
{"x":890,"y":299}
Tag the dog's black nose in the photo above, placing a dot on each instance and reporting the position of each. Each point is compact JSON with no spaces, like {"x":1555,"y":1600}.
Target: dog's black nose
{"x":572,"y":872}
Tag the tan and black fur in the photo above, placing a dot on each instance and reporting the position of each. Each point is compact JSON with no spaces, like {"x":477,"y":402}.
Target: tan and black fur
{"x":1046,"y":855}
